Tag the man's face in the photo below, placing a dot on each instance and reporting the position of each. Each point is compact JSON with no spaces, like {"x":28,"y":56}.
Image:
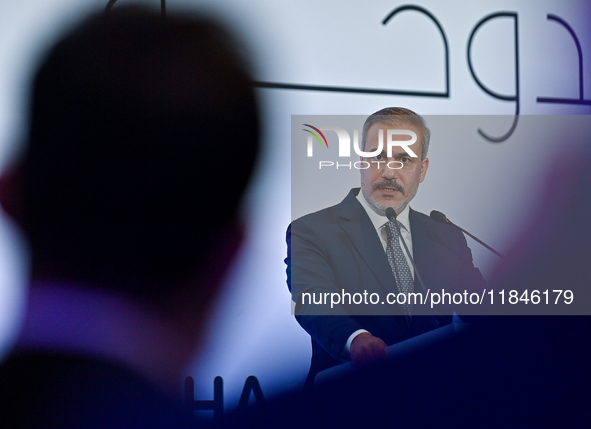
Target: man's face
{"x":385,"y":187}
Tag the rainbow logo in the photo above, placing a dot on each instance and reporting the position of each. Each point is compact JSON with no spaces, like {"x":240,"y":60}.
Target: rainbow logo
{"x":315,"y":135}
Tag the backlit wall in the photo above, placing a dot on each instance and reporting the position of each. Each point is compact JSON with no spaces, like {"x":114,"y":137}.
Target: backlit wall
{"x":329,"y":57}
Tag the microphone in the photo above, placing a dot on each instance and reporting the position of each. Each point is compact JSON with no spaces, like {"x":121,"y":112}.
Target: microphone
{"x":391,"y":215}
{"x":441,"y":218}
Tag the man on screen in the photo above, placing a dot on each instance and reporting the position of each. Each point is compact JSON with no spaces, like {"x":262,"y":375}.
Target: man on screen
{"x":353,"y":248}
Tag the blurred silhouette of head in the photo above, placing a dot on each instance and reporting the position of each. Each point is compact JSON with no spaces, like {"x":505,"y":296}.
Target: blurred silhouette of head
{"x":143,"y":137}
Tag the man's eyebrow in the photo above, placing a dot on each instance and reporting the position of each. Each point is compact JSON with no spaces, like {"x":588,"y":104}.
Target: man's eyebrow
{"x":396,"y":155}
{"x":383,"y":152}
{"x":402,"y":154}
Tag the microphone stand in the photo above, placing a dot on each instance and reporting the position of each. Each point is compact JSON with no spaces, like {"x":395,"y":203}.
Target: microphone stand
{"x":440,"y":217}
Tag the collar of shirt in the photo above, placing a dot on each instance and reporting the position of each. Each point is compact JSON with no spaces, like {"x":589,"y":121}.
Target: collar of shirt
{"x":379,"y":220}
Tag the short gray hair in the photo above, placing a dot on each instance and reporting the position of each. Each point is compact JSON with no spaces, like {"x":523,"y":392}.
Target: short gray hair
{"x":397,"y":116}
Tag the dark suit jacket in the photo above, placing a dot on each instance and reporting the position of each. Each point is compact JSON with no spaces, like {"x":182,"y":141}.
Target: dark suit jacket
{"x":338,"y":249}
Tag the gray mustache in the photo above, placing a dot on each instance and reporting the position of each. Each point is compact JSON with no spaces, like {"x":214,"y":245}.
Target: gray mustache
{"x":389,"y":184}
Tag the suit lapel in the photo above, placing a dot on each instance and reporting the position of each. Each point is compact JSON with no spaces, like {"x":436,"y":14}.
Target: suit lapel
{"x":422,"y":248}
{"x":419,"y":239}
{"x":428,"y":261}
{"x":357,"y":225}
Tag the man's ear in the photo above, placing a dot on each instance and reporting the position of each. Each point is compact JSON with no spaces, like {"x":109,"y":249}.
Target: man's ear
{"x":424,"y":168}
{"x":10,"y":192}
